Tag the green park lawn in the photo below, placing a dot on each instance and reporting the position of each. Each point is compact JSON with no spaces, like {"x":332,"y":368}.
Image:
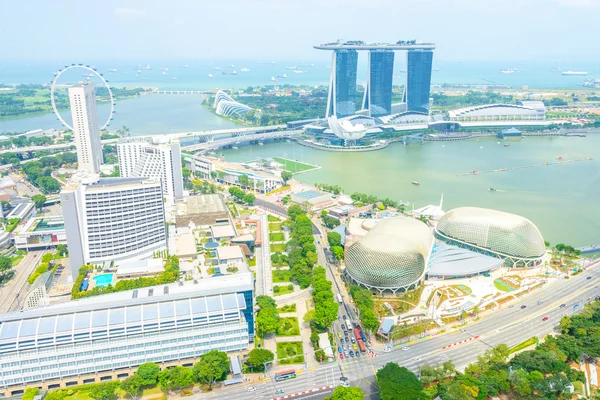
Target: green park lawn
{"x":272,"y":218}
{"x":275,"y":227}
{"x":504,"y":284}
{"x":290,"y":353}
{"x":281,"y":275}
{"x":276,"y":237}
{"x":294,"y":166}
{"x":278,"y":247}
{"x":282,"y":290}
{"x":287,"y":308}
{"x":288,"y":326}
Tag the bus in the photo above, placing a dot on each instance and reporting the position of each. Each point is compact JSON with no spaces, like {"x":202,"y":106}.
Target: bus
{"x":340,"y":299}
{"x":285,"y":375}
{"x":359,"y":340}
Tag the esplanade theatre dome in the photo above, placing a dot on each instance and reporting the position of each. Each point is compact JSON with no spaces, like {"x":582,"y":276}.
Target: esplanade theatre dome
{"x":391,"y":256}
{"x":507,"y":235}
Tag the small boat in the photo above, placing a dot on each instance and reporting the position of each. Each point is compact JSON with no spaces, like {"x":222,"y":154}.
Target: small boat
{"x":163,"y":69}
{"x":559,"y":158}
{"x":294,"y":67}
{"x":474,"y":172}
{"x":245,"y":70}
{"x":492,"y":189}
{"x":502,"y":169}
{"x":217,"y":68}
{"x":297,"y":71}
{"x":273,"y":79}
{"x":282,"y":76}
{"x":506,"y":145}
{"x":211,"y":76}
{"x":164,"y":73}
{"x":232,"y":66}
{"x":234,"y":147}
{"x":174,"y":78}
{"x":415,"y":183}
{"x":112,"y":70}
{"x":261,"y":144}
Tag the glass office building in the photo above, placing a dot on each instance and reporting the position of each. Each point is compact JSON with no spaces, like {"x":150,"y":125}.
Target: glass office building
{"x":342,"y":99}
{"x":418,"y":80}
{"x":379,"y":91}
{"x":106,"y":337}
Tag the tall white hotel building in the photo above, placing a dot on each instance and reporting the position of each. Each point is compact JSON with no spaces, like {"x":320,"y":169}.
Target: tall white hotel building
{"x":156,"y":157}
{"x":85,"y":127}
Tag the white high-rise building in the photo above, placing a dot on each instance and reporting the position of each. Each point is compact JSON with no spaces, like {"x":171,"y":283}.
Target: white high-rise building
{"x":112,"y":219}
{"x":85,"y":127}
{"x":156,"y":157}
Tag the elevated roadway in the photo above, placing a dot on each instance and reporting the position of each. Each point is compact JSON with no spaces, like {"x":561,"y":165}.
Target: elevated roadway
{"x":216,"y":144}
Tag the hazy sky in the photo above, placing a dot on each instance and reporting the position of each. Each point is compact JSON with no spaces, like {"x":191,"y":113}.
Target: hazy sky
{"x":287,"y":29}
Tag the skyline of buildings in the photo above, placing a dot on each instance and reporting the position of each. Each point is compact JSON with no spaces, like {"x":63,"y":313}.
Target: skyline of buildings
{"x":86,"y":130}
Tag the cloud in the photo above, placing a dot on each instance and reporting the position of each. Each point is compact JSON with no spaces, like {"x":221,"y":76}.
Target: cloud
{"x":130,"y":12}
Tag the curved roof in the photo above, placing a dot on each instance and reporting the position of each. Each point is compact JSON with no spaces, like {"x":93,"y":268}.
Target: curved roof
{"x":503,"y":233}
{"x":226,"y":105}
{"x":391,"y":255}
{"x":493,"y":110}
{"x":344,"y":129}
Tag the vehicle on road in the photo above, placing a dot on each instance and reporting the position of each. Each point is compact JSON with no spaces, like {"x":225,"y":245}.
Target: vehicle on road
{"x":354,"y":346}
{"x":404,"y":348}
{"x":562,"y":305}
{"x":280,"y":391}
{"x":341,"y":340}
{"x":539,"y":302}
{"x":341,"y":356}
{"x":511,"y":306}
{"x":356,"y":354}
{"x":340,"y":299}
{"x":576,"y":305}
{"x":343,"y":327}
{"x":344,"y":316}
{"x":353,"y":340}
{"x":351,"y":355}
{"x":545,"y":319}
{"x":340,"y":350}
{"x":343,"y":379}
{"x":346,"y":354}
{"x":589,"y":277}
{"x":340,"y":335}
{"x":285,"y":375}
{"x":345,"y":384}
{"x":251,"y":389}
{"x":345,"y":333}
{"x":387,"y":350}
{"x":522,"y":307}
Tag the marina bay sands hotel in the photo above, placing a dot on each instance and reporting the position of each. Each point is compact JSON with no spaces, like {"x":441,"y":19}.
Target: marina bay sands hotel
{"x":377,"y":100}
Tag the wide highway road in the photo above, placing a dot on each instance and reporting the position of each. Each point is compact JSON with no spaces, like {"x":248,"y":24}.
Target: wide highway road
{"x":512,"y":324}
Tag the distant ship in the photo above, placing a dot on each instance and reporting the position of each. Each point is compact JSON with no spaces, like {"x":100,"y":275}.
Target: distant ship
{"x":174,"y":78}
{"x":232,"y":66}
{"x":312,"y":65}
{"x":139,"y":71}
{"x":217,"y":68}
{"x":163,"y":69}
{"x":261,"y":144}
{"x":184,"y":66}
{"x":294,"y":67}
{"x":282,"y":76}
{"x":211,"y":76}
{"x":164,"y":73}
{"x":148,"y":66}
{"x":436,"y":69}
{"x":415,"y":183}
{"x":234,"y":147}
{"x":297,"y":71}
{"x":508,"y":71}
{"x":112,"y":70}
{"x":245,"y":70}
{"x":506,"y":145}
{"x":569,"y":73}
{"x":491,"y":189}
{"x":273,"y":79}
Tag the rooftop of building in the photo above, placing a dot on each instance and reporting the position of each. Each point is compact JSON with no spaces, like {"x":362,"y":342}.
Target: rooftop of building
{"x":360,"y":45}
{"x":222,"y":231}
{"x":308,"y":194}
{"x":155,"y":140}
{"x":136,"y":267}
{"x":452,"y":261}
{"x":229,"y":252}
{"x":44,"y":224}
{"x":153,"y":294}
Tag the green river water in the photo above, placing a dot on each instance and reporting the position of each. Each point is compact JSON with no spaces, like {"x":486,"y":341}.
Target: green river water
{"x":562,"y":200}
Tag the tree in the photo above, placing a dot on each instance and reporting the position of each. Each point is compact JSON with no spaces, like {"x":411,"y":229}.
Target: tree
{"x":264,"y":301}
{"x":334,"y":239}
{"x":186,"y":172}
{"x":213,"y":366}
{"x":395,"y":383}
{"x":213,"y":175}
{"x":295,"y":210}
{"x":30,"y":393}
{"x":309,"y":317}
{"x":286,"y":176}
{"x":176,"y":378}
{"x":338,"y":252}
{"x":39,"y":200}
{"x":249,"y":198}
{"x":132,"y":385}
{"x":62,"y":250}
{"x":103,"y":391}
{"x":5,"y":263}
{"x":258,"y":357}
{"x":149,"y":373}
{"x":243,"y":180}
{"x":267,"y":318}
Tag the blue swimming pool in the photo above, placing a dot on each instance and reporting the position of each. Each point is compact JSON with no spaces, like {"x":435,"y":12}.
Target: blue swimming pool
{"x":103,"y":280}
{"x":211,"y":245}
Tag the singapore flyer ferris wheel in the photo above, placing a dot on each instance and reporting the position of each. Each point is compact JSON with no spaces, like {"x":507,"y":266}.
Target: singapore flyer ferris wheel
{"x":91,"y":73}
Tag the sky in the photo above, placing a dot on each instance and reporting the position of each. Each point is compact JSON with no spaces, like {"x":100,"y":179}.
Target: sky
{"x":523,"y":30}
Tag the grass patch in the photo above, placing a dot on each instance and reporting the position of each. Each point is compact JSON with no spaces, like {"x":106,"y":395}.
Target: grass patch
{"x":282,"y":275}
{"x":287,"y":308}
{"x":279,"y":190}
{"x":276,"y":237}
{"x":275,"y":227}
{"x":294,"y":166}
{"x":278,"y":247}
{"x":290,"y":353}
{"x":578,"y":388}
{"x":252,"y":262}
{"x":16,"y":260}
{"x":288,"y":326}
{"x":272,"y":218}
{"x":156,"y":390}
{"x":281,"y":290}
{"x":508,"y":283}
{"x":523,"y":345}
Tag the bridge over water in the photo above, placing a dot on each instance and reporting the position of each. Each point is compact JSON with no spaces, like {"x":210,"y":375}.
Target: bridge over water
{"x":595,"y":248}
{"x":258,"y":137}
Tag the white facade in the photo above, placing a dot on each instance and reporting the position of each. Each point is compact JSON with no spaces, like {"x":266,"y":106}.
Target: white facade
{"x":97,"y":336}
{"x":85,"y":125}
{"x":153,"y":158}
{"x":113,"y":219}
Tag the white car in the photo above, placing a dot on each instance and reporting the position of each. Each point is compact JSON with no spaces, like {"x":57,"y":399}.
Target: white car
{"x":387,"y":350}
{"x":404,"y":348}
{"x":344,"y":384}
{"x":251,"y":389}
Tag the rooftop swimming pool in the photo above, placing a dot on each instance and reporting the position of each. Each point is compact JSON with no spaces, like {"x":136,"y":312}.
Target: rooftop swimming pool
{"x":103,"y":280}
{"x":211,"y":245}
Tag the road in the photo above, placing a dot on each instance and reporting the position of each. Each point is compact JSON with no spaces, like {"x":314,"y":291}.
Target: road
{"x":16,"y":288}
{"x":511,"y":325}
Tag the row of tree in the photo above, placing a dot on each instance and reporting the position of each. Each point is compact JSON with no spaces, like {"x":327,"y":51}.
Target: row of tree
{"x":242,"y":196}
{"x":328,"y":221}
{"x":363,"y":299}
{"x":267,"y":317}
{"x":335,"y":243}
{"x":301,"y":249}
